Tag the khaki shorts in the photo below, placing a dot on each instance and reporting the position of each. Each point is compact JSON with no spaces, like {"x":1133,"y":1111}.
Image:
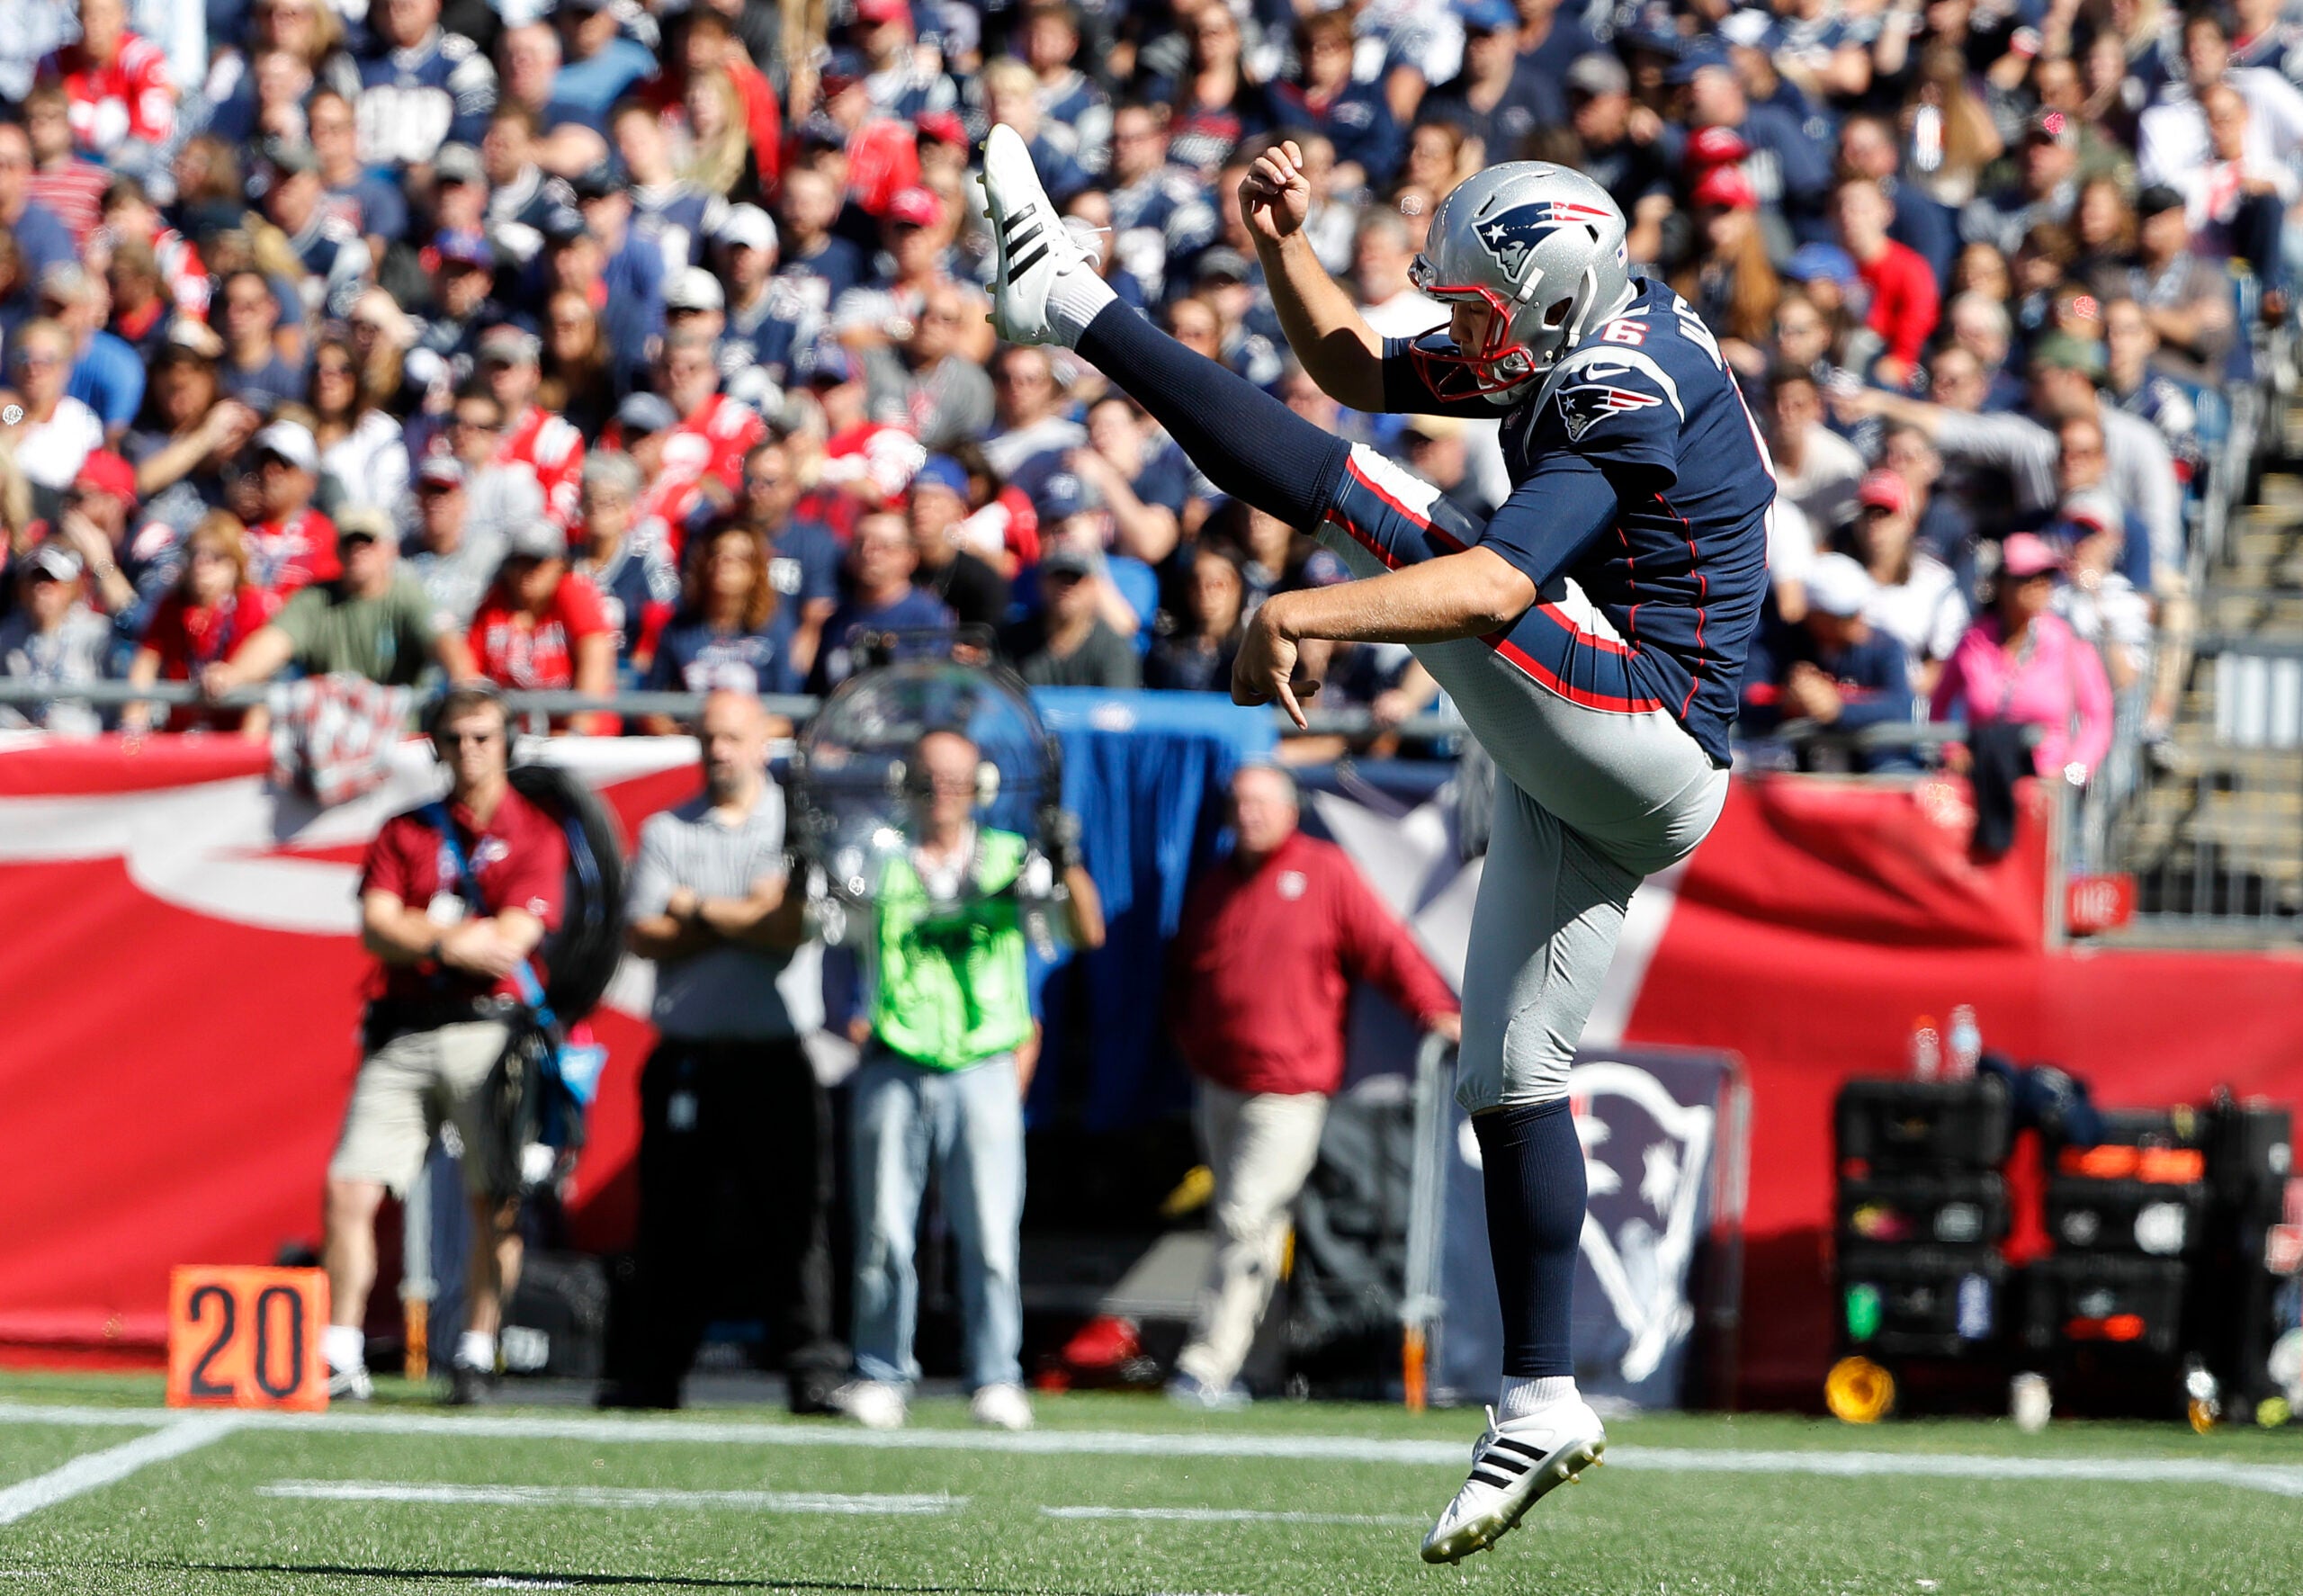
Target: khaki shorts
{"x":406,"y":1090}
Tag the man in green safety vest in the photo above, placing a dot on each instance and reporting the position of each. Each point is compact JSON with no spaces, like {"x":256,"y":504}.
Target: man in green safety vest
{"x":945,"y":1067}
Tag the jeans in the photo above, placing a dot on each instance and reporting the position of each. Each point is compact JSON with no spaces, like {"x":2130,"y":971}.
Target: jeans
{"x":967,"y":1125}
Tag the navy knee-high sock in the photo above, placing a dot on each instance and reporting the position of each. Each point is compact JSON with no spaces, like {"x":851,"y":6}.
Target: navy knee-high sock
{"x":1250,"y":444}
{"x":1532,"y":1171}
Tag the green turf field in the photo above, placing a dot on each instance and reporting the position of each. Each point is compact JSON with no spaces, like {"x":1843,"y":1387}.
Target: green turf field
{"x":1112,"y":1494}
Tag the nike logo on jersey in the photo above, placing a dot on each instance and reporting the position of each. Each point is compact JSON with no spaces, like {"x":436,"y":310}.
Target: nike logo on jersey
{"x":1511,"y":237}
{"x":1583,"y":404}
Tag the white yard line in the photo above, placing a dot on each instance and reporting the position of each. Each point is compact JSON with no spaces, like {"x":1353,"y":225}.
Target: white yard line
{"x":612,"y":1496}
{"x":98,"y":1469}
{"x":2273,"y":1478}
{"x":1231,"y":1515}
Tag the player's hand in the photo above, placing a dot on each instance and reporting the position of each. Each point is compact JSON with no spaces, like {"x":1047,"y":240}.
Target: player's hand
{"x":1267,"y":668}
{"x":1274,"y":196}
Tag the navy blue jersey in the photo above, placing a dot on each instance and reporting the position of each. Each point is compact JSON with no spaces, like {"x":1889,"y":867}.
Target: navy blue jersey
{"x":413,"y":101}
{"x":1638,"y":473}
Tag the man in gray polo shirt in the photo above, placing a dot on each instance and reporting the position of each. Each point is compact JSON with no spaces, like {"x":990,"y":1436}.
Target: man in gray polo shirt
{"x":735,"y":1165}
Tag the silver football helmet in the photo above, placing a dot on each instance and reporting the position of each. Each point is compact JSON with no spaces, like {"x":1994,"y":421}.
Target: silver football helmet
{"x":1541,"y":246}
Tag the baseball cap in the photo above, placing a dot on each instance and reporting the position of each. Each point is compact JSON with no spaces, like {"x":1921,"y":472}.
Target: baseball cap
{"x":1811,"y":261}
{"x":2157,"y":197}
{"x":441,"y":471}
{"x":1696,"y":54}
{"x":644,"y":413}
{"x":291,"y":441}
{"x":941,"y":471}
{"x":841,"y":73}
{"x":104,"y":471}
{"x":1064,"y":559}
{"x":1487,"y":16}
{"x":457,"y":162}
{"x":2059,"y":350}
{"x":1837,"y":585}
{"x":941,"y":126}
{"x":875,"y":12}
{"x":2094,"y":508}
{"x":1223,"y":261}
{"x":1061,"y":496}
{"x":354,"y":522}
{"x":596,"y":181}
{"x":1598,"y":74}
{"x":1652,"y":28}
{"x":2051,"y":126}
{"x":916,"y":207}
{"x":463,"y":247}
{"x":537,"y":540}
{"x":1716,"y":147}
{"x":747,"y":227}
{"x":1885,"y":490}
{"x":194,"y":339}
{"x":513,"y":346}
{"x":1751,"y":29}
{"x":1727,"y":188}
{"x":824,"y":360}
{"x":695,"y":289}
{"x":562,"y":225}
{"x":2027,"y":554}
{"x":53,"y":560}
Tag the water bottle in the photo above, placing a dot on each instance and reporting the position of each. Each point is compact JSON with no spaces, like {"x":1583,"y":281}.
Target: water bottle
{"x":1965,"y":1040}
{"x":1926,"y":1050}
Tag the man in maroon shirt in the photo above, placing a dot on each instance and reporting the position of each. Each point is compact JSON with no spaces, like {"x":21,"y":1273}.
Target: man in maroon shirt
{"x":1271,"y":941}
{"x":438,"y":1019}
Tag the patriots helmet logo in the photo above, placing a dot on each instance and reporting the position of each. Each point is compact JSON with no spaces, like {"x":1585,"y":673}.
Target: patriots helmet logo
{"x":1511,"y":237}
{"x":1583,"y":405}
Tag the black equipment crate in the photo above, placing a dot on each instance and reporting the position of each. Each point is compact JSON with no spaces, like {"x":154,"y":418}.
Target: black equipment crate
{"x":2077,"y":1300}
{"x":2166,"y":1146}
{"x":1928,"y":1125}
{"x":1921,"y":1302}
{"x":2250,"y":1155}
{"x":2126,"y":1217}
{"x":1957,"y":1208}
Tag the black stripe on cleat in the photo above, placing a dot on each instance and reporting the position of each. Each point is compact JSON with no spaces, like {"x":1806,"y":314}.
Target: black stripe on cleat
{"x":1015,"y":268}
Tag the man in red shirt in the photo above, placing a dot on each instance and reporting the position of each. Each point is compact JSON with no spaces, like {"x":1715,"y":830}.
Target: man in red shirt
{"x":1271,"y":941}
{"x":117,"y":84}
{"x":546,"y":444}
{"x":714,"y":432}
{"x":1904,"y":300}
{"x":541,"y":626}
{"x":437,"y":1020}
{"x":294,"y":544}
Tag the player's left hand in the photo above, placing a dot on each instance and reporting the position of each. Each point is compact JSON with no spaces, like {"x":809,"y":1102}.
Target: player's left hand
{"x":1267,"y":666}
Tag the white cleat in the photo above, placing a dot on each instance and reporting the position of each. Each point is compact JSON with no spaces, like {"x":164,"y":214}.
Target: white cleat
{"x":873,"y":1403}
{"x":350,"y":1385}
{"x":1031,"y":244}
{"x":1513,"y":1467}
{"x":1001,"y":1407}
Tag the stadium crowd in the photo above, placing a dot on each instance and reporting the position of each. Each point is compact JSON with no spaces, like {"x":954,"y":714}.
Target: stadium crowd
{"x":584,"y":343}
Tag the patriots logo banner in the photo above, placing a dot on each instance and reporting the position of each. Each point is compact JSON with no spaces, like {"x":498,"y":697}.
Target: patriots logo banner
{"x":1512,"y":236}
{"x":1582,"y":405}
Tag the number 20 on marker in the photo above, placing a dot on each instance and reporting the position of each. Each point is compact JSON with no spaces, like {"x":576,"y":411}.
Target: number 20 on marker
{"x":247,"y":1338}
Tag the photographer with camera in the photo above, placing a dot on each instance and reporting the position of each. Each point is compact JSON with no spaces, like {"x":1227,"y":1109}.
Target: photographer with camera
{"x":947,"y":1052}
{"x":451,"y":913}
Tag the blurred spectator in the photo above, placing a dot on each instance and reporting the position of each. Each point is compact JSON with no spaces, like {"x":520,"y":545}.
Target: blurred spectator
{"x":1914,"y":599}
{"x":1262,"y":966}
{"x":1904,"y":301}
{"x":126,"y":571}
{"x":1438,"y":448}
{"x":575,"y":382}
{"x":1324,"y":99}
{"x":2022,"y":664}
{"x":1814,"y":468}
{"x":58,"y":430}
{"x":1730,"y":281}
{"x":2046,"y":188}
{"x":1069,"y":644}
{"x":819,"y":264}
{"x":1834,"y":669}
{"x":52,"y":638}
{"x":731,"y":629}
{"x":293,"y":543}
{"x":1142,"y":479}
{"x":1197,"y":656}
{"x":2130,"y":350}
{"x":1161,"y":215}
{"x":41,"y":240}
{"x":881,"y":598}
{"x":937,"y":505}
{"x":948,"y":1046}
{"x":362,"y":446}
{"x":122,"y":105}
{"x":254,"y":371}
{"x":1073,"y":108}
{"x":420,"y":87}
{"x":501,"y":494}
{"x":1867,"y":149}
{"x":1032,"y":433}
{"x":107,"y":376}
{"x":540,"y":627}
{"x":2187,"y":299}
{"x":209,"y":611}
{"x":928,"y":376}
{"x":371,"y":208}
{"x":1215,"y":101}
{"x":534,"y":440}
{"x":1493,"y":98}
{"x":638,"y":583}
{"x":768,"y":320}
{"x":453,"y":560}
{"x":371,"y":620}
{"x":188,"y":431}
{"x":1791,"y":171}
{"x":735,"y":1156}
{"x":806,"y":555}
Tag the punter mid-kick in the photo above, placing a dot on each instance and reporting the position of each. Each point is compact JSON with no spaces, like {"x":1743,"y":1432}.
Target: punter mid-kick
{"x":1592,"y":633}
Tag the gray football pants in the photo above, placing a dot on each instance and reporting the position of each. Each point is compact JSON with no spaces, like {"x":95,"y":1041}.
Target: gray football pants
{"x":1589,"y":801}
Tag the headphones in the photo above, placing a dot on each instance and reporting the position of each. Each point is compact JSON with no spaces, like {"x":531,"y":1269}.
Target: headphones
{"x":466,"y":696}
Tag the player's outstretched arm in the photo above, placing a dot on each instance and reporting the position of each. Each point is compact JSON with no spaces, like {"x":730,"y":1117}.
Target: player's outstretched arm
{"x":1465,"y":595}
{"x":1324,"y":329}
